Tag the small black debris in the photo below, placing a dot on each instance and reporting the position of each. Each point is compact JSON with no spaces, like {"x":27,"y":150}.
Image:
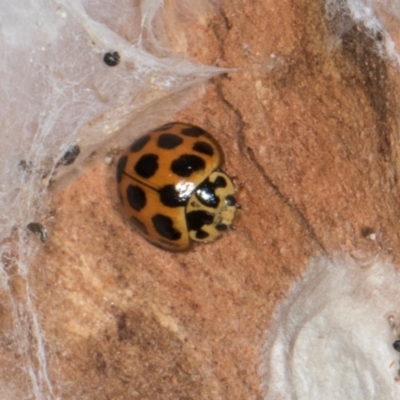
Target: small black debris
{"x":111,"y":58}
{"x":36,"y":227}
{"x":70,"y":155}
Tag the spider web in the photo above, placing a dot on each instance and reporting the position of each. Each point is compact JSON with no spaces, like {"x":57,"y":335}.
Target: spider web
{"x":57,"y":95}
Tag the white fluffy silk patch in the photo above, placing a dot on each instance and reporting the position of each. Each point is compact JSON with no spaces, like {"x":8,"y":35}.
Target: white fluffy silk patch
{"x":332,"y":338}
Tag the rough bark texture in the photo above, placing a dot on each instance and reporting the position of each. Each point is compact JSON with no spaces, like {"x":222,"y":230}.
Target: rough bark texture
{"x":309,"y":132}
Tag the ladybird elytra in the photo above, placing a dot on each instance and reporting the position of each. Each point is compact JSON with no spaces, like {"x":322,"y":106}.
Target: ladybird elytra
{"x":171,"y":186}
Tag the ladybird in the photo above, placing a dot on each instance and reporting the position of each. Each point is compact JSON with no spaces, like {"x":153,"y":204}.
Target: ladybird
{"x":172,"y":188}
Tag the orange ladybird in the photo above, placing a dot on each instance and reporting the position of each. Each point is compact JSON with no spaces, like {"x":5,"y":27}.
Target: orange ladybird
{"x":172,"y":188}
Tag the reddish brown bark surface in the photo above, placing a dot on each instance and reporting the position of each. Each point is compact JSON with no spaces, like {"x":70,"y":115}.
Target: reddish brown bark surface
{"x":309,"y":132}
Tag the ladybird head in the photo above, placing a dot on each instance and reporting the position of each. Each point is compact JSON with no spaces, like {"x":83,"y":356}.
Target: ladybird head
{"x":211,"y":208}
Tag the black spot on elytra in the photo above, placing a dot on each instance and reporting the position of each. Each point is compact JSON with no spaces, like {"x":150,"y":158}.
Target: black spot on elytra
{"x":147,"y":165}
{"x":196,"y":219}
{"x":204,"y":148}
{"x":201,"y":234}
{"x":165,"y":227}
{"x":136,"y":197}
{"x":121,"y":167}
{"x":170,"y":197}
{"x":169,"y":141}
{"x":193,"y":131}
{"x":139,"y":144}
{"x":186,"y":164}
{"x":205,"y":192}
{"x":140,"y":225}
